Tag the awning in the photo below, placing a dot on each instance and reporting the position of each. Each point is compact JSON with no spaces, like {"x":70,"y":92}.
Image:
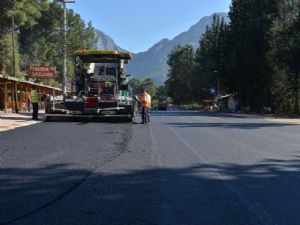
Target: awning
{"x":9,"y":78}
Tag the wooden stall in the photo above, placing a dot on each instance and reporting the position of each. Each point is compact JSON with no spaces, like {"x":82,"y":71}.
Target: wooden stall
{"x":7,"y":83}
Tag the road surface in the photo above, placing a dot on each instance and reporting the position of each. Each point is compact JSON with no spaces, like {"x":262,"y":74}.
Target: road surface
{"x":183,"y":168}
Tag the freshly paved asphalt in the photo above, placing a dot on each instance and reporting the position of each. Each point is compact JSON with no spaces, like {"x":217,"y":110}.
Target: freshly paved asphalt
{"x":183,"y":168}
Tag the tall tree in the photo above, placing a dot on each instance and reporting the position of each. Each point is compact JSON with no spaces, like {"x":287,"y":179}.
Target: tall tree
{"x":147,"y":83}
{"x":210,"y":59}
{"x":25,"y":14}
{"x":249,"y":34}
{"x":42,"y":44}
{"x":179,"y":83}
{"x":283,"y":57}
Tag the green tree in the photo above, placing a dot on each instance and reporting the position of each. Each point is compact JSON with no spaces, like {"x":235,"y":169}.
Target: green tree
{"x":161,"y":90}
{"x":25,"y":14}
{"x":179,"y":83}
{"x":283,"y":57}
{"x":136,"y":85}
{"x":149,"y":85}
{"x":249,"y":43}
{"x":210,"y":58}
{"x":42,"y":44}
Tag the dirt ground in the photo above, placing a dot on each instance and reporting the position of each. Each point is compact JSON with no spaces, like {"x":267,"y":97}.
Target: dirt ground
{"x":284,"y":120}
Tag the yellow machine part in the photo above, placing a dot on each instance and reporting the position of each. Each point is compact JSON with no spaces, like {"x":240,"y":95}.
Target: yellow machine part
{"x":103,"y":53}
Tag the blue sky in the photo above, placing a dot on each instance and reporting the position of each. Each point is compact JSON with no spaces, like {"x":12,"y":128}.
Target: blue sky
{"x":136,"y":25}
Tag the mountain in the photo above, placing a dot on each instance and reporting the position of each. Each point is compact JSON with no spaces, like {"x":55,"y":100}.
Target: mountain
{"x":153,"y":62}
{"x":103,"y":41}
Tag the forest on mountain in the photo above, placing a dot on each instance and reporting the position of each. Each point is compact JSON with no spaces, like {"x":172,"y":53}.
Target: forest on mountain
{"x":39,"y":32}
{"x":255,"y":57}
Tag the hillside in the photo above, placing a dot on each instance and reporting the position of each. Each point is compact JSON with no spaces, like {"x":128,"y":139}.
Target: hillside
{"x":153,"y":62}
{"x":103,"y":41}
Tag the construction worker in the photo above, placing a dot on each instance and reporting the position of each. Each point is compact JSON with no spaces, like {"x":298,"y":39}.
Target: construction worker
{"x":35,"y":103}
{"x":148,"y":108}
{"x":145,"y":100}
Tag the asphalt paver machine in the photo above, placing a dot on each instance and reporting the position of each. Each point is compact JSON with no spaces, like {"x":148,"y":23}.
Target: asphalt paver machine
{"x":102,"y":88}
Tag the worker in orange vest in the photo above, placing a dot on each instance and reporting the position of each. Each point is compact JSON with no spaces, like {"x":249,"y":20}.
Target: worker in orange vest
{"x":145,"y":100}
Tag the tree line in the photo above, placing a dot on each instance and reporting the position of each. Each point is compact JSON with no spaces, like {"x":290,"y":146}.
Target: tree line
{"x":255,"y":57}
{"x":38,"y":25}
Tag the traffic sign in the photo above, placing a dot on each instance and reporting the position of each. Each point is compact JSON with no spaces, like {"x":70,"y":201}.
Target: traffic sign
{"x":212,"y":91}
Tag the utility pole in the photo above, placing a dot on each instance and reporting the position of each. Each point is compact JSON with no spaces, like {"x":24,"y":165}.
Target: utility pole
{"x":219,"y":86}
{"x":14,"y":64}
{"x":64,"y":80}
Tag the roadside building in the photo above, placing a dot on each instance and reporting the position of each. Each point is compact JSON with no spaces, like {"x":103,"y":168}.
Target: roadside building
{"x":7,"y":102}
{"x":227,"y":103}
{"x":210,"y":104}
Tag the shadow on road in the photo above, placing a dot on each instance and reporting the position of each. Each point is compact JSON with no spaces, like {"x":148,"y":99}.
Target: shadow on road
{"x":230,"y":194}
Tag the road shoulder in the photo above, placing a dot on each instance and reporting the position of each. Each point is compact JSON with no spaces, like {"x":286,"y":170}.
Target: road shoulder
{"x":9,"y":121}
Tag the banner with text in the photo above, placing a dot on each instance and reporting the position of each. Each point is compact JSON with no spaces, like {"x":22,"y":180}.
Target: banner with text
{"x":42,"y":72}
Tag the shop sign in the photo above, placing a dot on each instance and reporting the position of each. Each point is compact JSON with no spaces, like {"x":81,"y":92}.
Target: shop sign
{"x":42,"y":72}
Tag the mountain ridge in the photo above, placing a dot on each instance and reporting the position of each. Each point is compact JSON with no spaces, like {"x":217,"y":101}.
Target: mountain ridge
{"x":153,"y":62}
{"x":105,"y":42}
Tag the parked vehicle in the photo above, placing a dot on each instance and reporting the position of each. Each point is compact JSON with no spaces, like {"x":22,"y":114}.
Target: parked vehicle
{"x":162,"y":102}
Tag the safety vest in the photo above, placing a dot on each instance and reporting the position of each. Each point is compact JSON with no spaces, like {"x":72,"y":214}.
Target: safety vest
{"x":34,"y":96}
{"x":145,"y":100}
{"x":148,"y":97}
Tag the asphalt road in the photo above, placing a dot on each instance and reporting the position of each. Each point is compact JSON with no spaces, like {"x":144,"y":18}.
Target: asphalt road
{"x":183,"y":168}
